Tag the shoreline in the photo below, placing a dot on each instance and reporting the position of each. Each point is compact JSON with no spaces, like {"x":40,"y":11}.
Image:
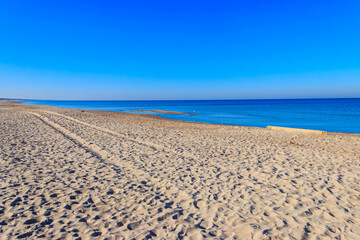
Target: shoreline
{"x":268,"y":127}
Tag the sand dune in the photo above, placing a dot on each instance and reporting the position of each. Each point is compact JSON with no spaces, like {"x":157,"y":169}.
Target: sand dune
{"x":69,"y":173}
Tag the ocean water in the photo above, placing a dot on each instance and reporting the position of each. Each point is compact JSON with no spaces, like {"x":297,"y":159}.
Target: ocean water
{"x":333,"y":115}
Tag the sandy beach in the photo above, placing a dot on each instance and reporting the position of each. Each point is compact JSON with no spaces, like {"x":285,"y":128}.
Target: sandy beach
{"x":68,"y":173}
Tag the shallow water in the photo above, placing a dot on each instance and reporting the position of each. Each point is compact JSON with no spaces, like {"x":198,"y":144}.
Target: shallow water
{"x":333,"y":115}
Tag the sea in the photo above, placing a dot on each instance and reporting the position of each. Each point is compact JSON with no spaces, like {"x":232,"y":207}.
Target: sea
{"x":332,"y":114}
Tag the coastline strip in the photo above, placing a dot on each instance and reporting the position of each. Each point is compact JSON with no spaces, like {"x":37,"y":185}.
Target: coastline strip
{"x":186,"y":154}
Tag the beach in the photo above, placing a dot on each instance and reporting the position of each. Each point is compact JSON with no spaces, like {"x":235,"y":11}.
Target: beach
{"x":68,"y":173}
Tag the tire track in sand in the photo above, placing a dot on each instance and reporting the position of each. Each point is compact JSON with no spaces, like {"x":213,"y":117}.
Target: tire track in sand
{"x":108,"y":131}
{"x":182,"y":200}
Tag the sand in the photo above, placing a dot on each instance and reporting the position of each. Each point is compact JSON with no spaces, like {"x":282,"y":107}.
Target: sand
{"x":68,"y":173}
{"x":298,"y":130}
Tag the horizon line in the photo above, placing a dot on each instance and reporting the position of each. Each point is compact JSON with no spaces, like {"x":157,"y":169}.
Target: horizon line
{"x":232,"y":99}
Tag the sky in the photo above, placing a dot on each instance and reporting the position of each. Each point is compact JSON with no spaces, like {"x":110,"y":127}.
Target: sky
{"x":179,"y":49}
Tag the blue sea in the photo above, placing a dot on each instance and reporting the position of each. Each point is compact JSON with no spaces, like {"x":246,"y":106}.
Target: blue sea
{"x":333,"y":115}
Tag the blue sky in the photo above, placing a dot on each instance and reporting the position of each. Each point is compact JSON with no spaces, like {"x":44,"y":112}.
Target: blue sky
{"x":179,"y":49}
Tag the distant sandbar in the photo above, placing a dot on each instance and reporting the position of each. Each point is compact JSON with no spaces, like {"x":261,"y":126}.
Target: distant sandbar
{"x":159,"y":111}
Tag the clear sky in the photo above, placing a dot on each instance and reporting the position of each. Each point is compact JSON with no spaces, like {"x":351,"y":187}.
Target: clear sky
{"x":179,"y":49}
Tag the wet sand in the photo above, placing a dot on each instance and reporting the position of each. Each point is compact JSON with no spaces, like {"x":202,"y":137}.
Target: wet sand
{"x":69,"y":173}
